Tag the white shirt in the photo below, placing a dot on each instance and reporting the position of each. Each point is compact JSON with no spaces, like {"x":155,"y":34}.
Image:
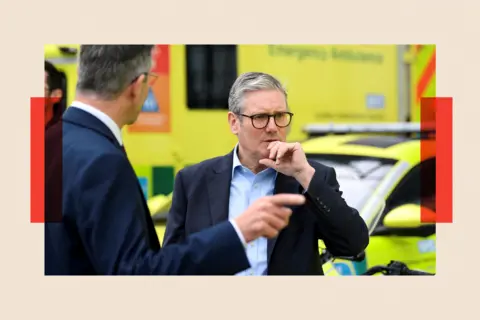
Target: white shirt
{"x":102,"y":117}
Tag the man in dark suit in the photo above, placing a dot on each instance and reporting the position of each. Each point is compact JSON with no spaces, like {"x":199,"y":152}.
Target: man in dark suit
{"x":98,"y":219}
{"x":262,"y":163}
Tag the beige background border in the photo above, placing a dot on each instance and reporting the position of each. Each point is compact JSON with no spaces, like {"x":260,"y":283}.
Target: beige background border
{"x":27,"y":293}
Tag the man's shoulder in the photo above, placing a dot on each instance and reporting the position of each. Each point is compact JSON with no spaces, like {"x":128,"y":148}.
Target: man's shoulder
{"x":88,"y":152}
{"x":83,"y":141}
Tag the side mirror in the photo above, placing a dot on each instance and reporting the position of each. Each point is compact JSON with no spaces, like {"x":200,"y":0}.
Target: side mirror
{"x":407,"y":216}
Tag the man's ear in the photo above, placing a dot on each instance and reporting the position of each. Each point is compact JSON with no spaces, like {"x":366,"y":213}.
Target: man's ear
{"x":137,"y":86}
{"x":233,"y":122}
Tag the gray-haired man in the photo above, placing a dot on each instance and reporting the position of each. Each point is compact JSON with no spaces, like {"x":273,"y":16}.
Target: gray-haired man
{"x":262,"y":164}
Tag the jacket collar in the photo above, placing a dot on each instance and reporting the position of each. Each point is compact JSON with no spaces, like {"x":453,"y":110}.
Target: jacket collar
{"x":236,"y":161}
{"x":107,"y":121}
{"x":87,"y":120}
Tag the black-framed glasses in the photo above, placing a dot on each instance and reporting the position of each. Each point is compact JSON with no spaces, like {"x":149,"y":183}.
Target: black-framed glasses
{"x":261,"y":120}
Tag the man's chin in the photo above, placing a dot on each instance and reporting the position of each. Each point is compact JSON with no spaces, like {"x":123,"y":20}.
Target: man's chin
{"x":264,"y":153}
{"x":129,"y":123}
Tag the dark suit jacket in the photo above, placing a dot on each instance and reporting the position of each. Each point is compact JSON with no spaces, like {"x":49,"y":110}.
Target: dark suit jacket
{"x":105,"y":226}
{"x":201,"y":199}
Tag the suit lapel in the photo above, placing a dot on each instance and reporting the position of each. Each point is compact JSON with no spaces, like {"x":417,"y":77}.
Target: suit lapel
{"x":283,"y":184}
{"x":218,"y":185}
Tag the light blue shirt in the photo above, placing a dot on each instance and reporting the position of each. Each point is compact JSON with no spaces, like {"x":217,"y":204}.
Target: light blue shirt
{"x":245,"y":188}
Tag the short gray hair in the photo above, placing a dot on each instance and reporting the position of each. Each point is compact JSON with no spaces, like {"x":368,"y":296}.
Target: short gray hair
{"x":252,"y":81}
{"x":106,"y":70}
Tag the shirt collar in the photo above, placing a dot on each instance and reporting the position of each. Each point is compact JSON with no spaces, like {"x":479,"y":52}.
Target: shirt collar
{"x":237,"y":163}
{"x":117,"y":132}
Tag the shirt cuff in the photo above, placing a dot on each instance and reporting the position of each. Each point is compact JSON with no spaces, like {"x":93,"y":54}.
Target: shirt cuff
{"x":239,"y":233}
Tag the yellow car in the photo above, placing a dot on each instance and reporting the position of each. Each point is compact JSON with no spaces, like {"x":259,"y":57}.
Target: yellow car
{"x":384,"y":163}
{"x":379,"y":175}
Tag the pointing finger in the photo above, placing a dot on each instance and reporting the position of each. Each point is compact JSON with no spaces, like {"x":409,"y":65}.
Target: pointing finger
{"x":284,"y":199}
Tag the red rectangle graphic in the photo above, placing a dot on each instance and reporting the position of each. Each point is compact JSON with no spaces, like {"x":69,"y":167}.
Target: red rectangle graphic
{"x":37,"y":160}
{"x":440,"y":110}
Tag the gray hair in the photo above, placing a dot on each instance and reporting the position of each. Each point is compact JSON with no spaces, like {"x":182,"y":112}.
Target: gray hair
{"x":251,"y":81}
{"x":106,"y":70}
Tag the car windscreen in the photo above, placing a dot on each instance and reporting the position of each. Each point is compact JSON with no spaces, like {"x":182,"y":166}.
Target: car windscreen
{"x":358,"y":176}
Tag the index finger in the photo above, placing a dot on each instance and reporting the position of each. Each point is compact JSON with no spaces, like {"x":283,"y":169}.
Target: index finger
{"x":288,"y":199}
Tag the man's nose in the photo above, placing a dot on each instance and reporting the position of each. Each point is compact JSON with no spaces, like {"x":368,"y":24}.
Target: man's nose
{"x":271,"y":126}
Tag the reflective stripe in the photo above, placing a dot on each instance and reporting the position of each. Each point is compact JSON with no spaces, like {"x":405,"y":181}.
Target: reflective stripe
{"x":423,"y":78}
{"x":63,"y":60}
{"x":427,"y":72}
{"x":395,"y":174}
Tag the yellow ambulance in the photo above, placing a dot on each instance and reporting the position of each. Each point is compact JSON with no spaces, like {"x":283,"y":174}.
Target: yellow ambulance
{"x":184,"y":119}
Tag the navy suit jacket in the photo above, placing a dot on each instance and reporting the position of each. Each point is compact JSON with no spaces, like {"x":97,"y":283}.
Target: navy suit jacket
{"x":201,"y":200}
{"x":105,"y":227}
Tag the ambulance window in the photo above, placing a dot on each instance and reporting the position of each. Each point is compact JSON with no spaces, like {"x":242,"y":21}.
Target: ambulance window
{"x":417,"y":187}
{"x":211,"y":71}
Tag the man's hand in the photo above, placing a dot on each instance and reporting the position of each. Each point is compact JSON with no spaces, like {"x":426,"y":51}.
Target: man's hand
{"x":289,"y":159}
{"x":267,"y":216}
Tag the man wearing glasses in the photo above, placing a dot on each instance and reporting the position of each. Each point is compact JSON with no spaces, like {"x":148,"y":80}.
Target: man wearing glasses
{"x":263,"y":163}
{"x":99,"y":222}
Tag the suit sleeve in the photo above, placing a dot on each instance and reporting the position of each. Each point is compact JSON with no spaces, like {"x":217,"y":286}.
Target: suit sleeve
{"x":341,"y":227}
{"x":175,"y":229}
{"x":114,"y":239}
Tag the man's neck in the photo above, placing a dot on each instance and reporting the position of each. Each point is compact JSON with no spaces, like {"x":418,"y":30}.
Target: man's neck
{"x":110,"y":108}
{"x":249,"y":161}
